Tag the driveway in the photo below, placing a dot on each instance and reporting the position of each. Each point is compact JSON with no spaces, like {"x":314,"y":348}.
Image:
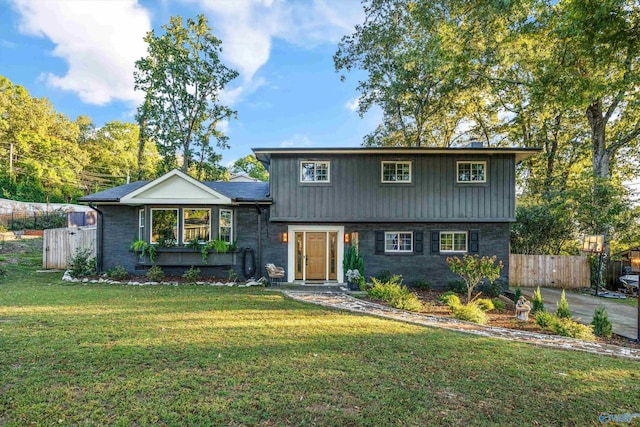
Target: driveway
{"x":623,"y":317}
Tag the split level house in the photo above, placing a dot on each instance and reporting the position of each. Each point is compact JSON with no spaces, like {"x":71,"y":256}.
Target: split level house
{"x":405,"y":209}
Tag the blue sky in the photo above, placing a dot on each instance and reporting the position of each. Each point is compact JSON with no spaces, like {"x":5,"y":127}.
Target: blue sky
{"x":80,"y":55}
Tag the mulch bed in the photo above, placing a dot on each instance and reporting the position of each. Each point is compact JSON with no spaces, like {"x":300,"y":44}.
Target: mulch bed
{"x":506,"y":319}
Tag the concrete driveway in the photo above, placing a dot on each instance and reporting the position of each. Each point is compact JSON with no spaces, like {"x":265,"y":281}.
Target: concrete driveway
{"x":623,"y":317}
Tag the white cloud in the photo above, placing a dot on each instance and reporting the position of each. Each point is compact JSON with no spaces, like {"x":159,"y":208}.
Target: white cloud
{"x":353,"y":104}
{"x":99,"y":40}
{"x":248,"y":27}
{"x":297,"y":140}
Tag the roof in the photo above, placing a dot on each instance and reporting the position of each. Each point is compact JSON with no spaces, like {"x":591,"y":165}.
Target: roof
{"x":264,"y":154}
{"x":236,"y":191}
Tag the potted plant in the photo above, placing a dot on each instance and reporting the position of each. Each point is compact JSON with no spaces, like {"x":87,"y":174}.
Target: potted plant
{"x":354,"y":279}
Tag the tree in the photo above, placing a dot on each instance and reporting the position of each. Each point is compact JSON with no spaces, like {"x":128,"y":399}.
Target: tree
{"x":251,"y":166}
{"x":473,"y":270}
{"x":182,"y":77}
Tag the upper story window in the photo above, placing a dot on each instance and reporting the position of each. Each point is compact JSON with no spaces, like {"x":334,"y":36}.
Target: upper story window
{"x":196,"y":225}
{"x":472,"y":172}
{"x":453,"y":241}
{"x":398,"y":241}
{"x":396,"y":172}
{"x":312,"y":171}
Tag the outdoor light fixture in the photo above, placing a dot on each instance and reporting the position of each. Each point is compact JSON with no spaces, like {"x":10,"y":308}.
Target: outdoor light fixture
{"x":346,"y":237}
{"x":285,"y":237}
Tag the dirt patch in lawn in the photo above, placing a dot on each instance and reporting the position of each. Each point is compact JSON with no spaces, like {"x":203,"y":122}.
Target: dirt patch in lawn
{"x":504,"y":319}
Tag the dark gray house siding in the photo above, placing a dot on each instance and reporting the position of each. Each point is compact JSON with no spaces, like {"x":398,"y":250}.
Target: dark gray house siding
{"x":493,"y":240}
{"x":355,"y":191}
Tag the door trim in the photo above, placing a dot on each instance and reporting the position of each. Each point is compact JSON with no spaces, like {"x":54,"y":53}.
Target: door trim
{"x":291,"y":255}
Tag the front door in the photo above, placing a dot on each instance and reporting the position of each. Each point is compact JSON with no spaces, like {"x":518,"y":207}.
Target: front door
{"x":316,"y":257}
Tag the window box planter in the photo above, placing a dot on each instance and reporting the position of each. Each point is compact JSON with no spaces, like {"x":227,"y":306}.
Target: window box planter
{"x":179,"y":256}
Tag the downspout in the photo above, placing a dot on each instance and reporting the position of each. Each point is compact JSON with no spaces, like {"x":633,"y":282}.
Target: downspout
{"x":99,"y":238}
{"x":259,"y":266}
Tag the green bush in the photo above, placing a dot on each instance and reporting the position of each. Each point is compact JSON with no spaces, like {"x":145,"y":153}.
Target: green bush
{"x":192,"y":274}
{"x":568,"y":328}
{"x":470,"y":312}
{"x":452,"y":300}
{"x":537,"y":304}
{"x":499,"y":305}
{"x":458,"y":286}
{"x":485,"y":304}
{"x":544,"y":319}
{"x":602,"y":327}
{"x":423,"y":284}
{"x":393,"y":293}
{"x":81,"y":263}
{"x":518,"y":294}
{"x":444,"y":296}
{"x":563,"y":307}
{"x":352,"y":260}
{"x":384,"y":276}
{"x":155,"y":274}
{"x":118,"y":273}
{"x":233,"y":276}
{"x":492,"y":290}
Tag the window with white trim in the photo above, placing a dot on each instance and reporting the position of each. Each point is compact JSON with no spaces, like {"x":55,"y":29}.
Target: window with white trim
{"x":141,"y":224}
{"x":164,"y":226}
{"x":472,"y":172}
{"x":396,"y":172}
{"x":225,"y":230}
{"x":453,"y":241}
{"x":196,"y":225}
{"x":313,"y":171}
{"x":398,"y":241}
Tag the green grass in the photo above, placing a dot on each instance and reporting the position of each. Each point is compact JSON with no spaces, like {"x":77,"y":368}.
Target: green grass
{"x":194,"y":355}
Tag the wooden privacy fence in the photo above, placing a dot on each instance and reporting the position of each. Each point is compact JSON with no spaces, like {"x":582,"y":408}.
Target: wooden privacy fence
{"x":551,"y":271}
{"x":61,"y":243}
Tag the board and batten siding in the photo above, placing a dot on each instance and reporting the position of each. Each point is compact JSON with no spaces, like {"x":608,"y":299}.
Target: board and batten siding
{"x":357,"y":193}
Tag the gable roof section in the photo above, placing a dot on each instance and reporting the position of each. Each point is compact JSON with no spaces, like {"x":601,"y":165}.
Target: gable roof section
{"x":176,"y":187}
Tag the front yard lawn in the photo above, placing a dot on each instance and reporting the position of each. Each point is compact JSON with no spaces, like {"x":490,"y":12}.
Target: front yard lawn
{"x":198,"y":355}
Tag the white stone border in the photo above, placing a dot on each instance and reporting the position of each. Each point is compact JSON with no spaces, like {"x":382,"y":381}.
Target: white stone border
{"x":67,"y":278}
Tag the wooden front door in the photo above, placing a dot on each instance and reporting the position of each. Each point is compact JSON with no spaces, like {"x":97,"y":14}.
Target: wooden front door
{"x":316,"y":254}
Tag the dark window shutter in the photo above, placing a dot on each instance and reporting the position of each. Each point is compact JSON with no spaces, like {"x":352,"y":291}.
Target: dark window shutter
{"x":418,"y":245}
{"x":474,"y":240}
{"x":435,"y":242}
{"x":379,"y":242}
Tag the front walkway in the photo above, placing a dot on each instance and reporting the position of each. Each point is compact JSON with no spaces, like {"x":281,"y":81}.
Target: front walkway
{"x":341,"y":301}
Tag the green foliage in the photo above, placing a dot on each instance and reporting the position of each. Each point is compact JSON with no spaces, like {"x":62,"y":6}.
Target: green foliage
{"x":499,"y":305}
{"x":602,"y":327}
{"x":182,"y":77}
{"x":541,"y":228}
{"x":252,"y":167}
{"x":458,"y":286}
{"x":217,"y":246}
{"x":563,"y":307}
{"x":445,"y":295}
{"x":144,"y":248}
{"x":233,"y":276}
{"x":353,"y":261}
{"x":118,"y":273}
{"x":423,"y":284}
{"x":451,"y":299}
{"x":492,"y":289}
{"x":193,"y":244}
{"x":563,"y":326}
{"x":473,"y":269}
{"x":191,"y":274}
{"x":384,"y":276}
{"x":544,"y":319}
{"x":470,"y":312}
{"x":393,"y":293}
{"x":155,"y":273}
{"x":537,"y":304}
{"x":81,"y":263}
{"x":485,"y":304}
{"x":518,"y":294}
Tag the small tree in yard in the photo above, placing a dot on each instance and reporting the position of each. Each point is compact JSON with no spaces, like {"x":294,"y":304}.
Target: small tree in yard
{"x":473,"y":270}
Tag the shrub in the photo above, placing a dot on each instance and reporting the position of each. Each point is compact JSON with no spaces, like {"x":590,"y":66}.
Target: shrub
{"x":492,"y":290}
{"x":568,"y":328}
{"x":473,"y":270}
{"x":155,"y":274}
{"x":81,"y":263}
{"x":233,"y":276}
{"x":485,"y":304}
{"x":602,"y":327}
{"x":384,"y":276}
{"x":352,"y":260}
{"x":537,"y":304}
{"x":563,"y":307}
{"x":451,"y":300}
{"x":192,"y":274}
{"x":499,"y":305}
{"x":118,"y":273}
{"x":544,"y":319}
{"x":394,"y":294}
{"x":470,"y":312}
{"x":456,"y":286}
{"x":423,"y":284}
{"x":518,"y":294}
